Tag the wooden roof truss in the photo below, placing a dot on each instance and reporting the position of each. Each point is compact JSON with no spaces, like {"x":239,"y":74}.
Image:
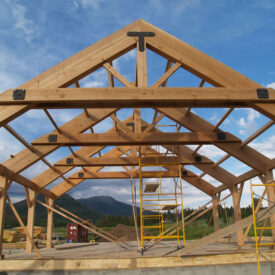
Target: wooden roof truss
{"x":60,"y":87}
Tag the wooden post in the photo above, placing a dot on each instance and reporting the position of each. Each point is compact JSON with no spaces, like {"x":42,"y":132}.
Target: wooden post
{"x":3,"y":186}
{"x":49,"y":223}
{"x":236,"y":196}
{"x":216,"y":212}
{"x":271,"y":198}
{"x":30,"y":222}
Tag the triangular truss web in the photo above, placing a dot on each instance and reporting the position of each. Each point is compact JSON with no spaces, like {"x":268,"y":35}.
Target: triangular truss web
{"x":92,"y":81}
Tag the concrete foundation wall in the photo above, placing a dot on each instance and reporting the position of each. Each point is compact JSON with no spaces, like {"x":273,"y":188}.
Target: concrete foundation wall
{"x":239,"y":269}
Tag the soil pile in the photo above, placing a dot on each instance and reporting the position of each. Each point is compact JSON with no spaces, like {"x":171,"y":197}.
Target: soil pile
{"x":126,"y":233}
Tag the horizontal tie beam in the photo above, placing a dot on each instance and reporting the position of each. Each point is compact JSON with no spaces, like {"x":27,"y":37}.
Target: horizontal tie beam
{"x":138,"y":97}
{"x":130,"y":161}
{"x":136,"y":139}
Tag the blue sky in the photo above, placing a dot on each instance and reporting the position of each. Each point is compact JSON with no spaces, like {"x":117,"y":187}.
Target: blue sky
{"x":35,"y":35}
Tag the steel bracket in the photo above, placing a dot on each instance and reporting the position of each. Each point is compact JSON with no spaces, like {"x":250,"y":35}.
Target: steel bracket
{"x":197,"y":158}
{"x":80,"y":174}
{"x":52,"y":138}
{"x":221,"y":135}
{"x":262,"y":93}
{"x":69,"y":160}
{"x":19,"y":94}
{"x":184,"y":173}
{"x":141,"y":36}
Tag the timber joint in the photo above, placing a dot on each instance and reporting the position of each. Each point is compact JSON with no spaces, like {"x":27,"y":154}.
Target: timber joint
{"x":141,"y":36}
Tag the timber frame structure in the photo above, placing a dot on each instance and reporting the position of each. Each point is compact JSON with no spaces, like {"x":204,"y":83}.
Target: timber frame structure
{"x":59,"y":88}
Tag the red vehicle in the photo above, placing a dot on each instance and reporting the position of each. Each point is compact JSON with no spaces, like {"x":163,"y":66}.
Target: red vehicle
{"x":76,"y":233}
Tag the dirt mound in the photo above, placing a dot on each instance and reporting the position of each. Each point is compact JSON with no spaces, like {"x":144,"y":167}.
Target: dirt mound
{"x":126,"y":233}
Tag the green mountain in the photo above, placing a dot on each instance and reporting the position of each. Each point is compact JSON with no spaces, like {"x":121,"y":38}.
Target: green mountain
{"x":108,"y":206}
{"x":66,"y":201}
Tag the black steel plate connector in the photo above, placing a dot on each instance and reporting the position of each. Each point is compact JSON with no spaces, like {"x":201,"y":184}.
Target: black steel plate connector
{"x":19,"y":94}
{"x":221,"y":135}
{"x":197,"y":158}
{"x":69,"y":160}
{"x":184,"y":173}
{"x":52,"y":138}
{"x":80,"y":175}
{"x":262,"y":93}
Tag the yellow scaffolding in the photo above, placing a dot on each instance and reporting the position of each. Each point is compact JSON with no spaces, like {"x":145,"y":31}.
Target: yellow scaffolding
{"x":258,"y":242}
{"x":153,"y":193}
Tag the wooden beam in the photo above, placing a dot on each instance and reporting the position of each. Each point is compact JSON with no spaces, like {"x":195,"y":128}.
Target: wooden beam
{"x":138,"y":97}
{"x":111,"y":81}
{"x":150,"y":139}
{"x":88,"y":174}
{"x":164,"y":78}
{"x":3,"y":194}
{"x":30,"y":221}
{"x":258,"y":132}
{"x":236,"y":196}
{"x":50,"y":202}
{"x":199,"y":244}
{"x":153,"y":124}
{"x":117,"y":75}
{"x":52,"y":120}
{"x":81,"y":224}
{"x":266,"y":109}
{"x":246,"y":154}
{"x":88,"y":60}
{"x":128,"y":161}
{"x":9,"y":113}
{"x":24,"y":181}
{"x":168,"y":66}
{"x":88,"y":223}
{"x":215,"y":206}
{"x":191,"y":178}
{"x":26,"y":158}
{"x":35,"y":151}
{"x":193,"y":60}
{"x":28,"y":200}
{"x":23,"y":227}
{"x":258,"y":206}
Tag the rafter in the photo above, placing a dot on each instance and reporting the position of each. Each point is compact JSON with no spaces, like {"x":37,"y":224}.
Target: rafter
{"x":194,"y":123}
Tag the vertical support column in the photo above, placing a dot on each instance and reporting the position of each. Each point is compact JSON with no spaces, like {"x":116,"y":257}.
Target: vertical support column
{"x":269,"y":179}
{"x":30,"y":221}
{"x":215,"y":203}
{"x":3,"y":192}
{"x":141,"y":75}
{"x":141,"y":80}
{"x":236,"y":196}
{"x":49,"y":223}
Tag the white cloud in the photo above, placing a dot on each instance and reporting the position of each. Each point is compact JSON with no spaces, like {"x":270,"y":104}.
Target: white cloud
{"x":266,"y":148}
{"x":248,"y":124}
{"x":8,"y":145}
{"x":211,"y":151}
{"x":271,"y":85}
{"x":63,"y":116}
{"x":214,"y":117}
{"x":96,"y":79}
{"x":94,"y":4}
{"x":23,"y":26}
{"x":211,"y":180}
{"x":129,"y":55}
{"x":175,"y":7}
